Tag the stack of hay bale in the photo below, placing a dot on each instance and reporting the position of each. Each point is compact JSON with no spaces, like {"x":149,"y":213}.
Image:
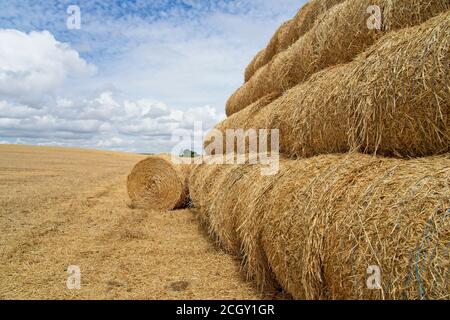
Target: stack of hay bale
{"x":364,"y":180}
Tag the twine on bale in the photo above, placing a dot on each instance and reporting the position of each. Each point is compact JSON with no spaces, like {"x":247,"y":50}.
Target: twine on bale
{"x":159,"y":183}
{"x":318,"y":225}
{"x":337,"y":37}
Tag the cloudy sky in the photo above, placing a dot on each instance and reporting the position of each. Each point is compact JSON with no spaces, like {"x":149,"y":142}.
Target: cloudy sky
{"x":134,"y":74}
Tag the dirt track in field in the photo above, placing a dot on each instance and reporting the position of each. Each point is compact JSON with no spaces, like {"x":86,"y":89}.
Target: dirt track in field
{"x":62,"y":207}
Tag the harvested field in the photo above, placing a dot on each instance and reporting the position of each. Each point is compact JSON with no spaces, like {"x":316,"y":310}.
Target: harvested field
{"x":62,"y":207}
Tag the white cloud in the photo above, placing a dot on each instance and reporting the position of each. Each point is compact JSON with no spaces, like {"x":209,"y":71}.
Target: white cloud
{"x":189,"y":62}
{"x":101,"y":108}
{"x":113,"y":142}
{"x":155,"y":76}
{"x":17,"y":111}
{"x":104,"y":122}
{"x":207,"y":115}
{"x":35,"y":64}
{"x":49,"y":125}
{"x":145,"y":108}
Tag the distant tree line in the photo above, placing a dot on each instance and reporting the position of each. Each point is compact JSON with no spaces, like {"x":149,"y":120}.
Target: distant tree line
{"x":188,"y":154}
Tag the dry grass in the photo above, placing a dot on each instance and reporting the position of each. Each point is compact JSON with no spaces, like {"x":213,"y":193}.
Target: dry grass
{"x":337,"y":37}
{"x":61,"y":207}
{"x":393,"y":99}
{"x":317,"y":225}
{"x":159,"y":182}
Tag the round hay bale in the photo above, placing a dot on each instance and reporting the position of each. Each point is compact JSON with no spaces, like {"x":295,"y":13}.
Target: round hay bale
{"x":241,"y":120}
{"x":286,"y":217}
{"x":391,"y":100}
{"x":354,"y":212}
{"x":250,"y":70}
{"x":226,"y":212}
{"x":207,"y":182}
{"x":285,"y":31}
{"x":337,"y":37}
{"x":393,"y":216}
{"x":206,"y":176}
{"x":289,"y":32}
{"x":254,"y":256}
{"x":157,"y":183}
{"x":226,"y":207}
{"x":305,"y":18}
{"x":319,"y":224}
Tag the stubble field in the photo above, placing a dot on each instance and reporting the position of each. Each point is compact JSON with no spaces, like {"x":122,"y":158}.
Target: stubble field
{"x":61,"y":207}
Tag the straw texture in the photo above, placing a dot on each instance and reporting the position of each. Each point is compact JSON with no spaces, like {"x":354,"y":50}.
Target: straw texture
{"x":289,"y":32}
{"x":336,"y":37}
{"x":320,"y":223}
{"x":393,"y":99}
{"x":159,"y":184}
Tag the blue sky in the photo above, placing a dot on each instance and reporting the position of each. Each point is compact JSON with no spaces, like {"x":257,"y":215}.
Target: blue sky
{"x":133,"y":74}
